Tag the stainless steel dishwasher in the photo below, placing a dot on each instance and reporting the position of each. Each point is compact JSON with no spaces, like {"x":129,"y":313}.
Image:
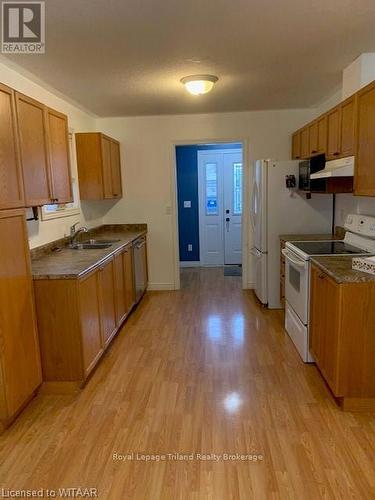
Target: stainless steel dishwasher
{"x":140,"y":267}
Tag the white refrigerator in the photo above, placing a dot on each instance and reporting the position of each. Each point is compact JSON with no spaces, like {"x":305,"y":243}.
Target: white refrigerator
{"x":277,"y":210}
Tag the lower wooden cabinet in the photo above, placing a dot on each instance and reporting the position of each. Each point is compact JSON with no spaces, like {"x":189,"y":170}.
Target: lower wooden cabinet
{"x":342,"y":338}
{"x":20,"y":372}
{"x":78,"y":318}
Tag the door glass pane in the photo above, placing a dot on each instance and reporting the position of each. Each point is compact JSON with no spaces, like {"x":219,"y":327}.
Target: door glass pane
{"x":211,"y":189}
{"x":237,"y":188}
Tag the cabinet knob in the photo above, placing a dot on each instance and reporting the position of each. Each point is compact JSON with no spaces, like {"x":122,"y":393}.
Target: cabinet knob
{"x":321,"y":276}
{"x":314,"y":151}
{"x":337,"y":153}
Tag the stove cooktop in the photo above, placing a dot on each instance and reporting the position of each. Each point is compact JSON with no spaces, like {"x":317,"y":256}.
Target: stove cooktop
{"x":328,"y":248}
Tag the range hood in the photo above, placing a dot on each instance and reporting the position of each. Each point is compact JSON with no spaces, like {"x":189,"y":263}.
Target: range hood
{"x":343,"y":167}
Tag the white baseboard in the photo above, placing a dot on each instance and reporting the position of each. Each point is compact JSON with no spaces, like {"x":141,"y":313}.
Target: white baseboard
{"x":160,"y":286}
{"x":191,"y":263}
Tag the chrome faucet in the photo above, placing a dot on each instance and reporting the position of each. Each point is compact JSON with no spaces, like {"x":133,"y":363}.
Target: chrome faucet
{"x":75,"y":233}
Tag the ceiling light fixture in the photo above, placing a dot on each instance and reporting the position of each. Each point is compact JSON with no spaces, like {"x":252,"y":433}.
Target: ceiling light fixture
{"x":199,"y":84}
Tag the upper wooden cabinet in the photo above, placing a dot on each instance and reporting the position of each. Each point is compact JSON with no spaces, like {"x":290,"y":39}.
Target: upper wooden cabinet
{"x":348,"y":120}
{"x":11,"y":183}
{"x":34,"y":152}
{"x":19,"y":354}
{"x":364,"y":178}
{"x":305,"y":147}
{"x":321,"y":124}
{"x":296,"y":145}
{"x":99,"y":166}
{"x":58,"y":147}
{"x":333,"y":133}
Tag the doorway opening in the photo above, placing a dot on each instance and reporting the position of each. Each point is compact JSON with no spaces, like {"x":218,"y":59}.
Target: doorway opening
{"x":210,"y":186}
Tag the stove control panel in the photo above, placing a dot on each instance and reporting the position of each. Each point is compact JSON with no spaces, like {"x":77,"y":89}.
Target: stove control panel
{"x":361,"y":224}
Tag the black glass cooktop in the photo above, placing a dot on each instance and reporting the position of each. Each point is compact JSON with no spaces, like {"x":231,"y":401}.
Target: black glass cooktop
{"x":327,"y":248}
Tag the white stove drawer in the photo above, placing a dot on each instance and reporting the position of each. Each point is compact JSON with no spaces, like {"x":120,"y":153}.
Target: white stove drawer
{"x":298,"y":333}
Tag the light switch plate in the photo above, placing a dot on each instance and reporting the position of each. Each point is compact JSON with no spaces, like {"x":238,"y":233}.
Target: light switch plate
{"x":187,"y":204}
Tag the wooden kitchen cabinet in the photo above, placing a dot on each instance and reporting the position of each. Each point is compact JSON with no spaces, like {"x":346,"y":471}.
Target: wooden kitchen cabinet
{"x":44,"y":148}
{"x":296,"y":145}
{"x":364,"y":177}
{"x":342,"y":340}
{"x":20,"y":371}
{"x":99,"y":166}
{"x":348,"y":119}
{"x":78,"y":318}
{"x":333,"y":133}
{"x":124,"y":283}
{"x":69,"y":322}
{"x":11,"y":182}
{"x":322,"y":134}
{"x":107,"y":300}
{"x":313,"y":138}
{"x":59,"y":159}
{"x":34,"y":153}
{"x":305,"y":147}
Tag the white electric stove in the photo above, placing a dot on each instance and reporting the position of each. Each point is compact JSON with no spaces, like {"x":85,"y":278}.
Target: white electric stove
{"x":359,"y":240}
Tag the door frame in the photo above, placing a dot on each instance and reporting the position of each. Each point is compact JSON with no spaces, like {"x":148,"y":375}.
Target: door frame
{"x":246,"y":202}
{"x":210,"y":152}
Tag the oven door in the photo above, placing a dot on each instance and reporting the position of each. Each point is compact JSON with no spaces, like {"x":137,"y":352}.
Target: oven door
{"x":297,"y":284}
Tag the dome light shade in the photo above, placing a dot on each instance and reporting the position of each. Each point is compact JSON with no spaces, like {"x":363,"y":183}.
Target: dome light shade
{"x":199,"y":84}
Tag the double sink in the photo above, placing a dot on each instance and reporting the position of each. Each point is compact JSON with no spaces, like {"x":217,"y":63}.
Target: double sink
{"x":92,"y":244}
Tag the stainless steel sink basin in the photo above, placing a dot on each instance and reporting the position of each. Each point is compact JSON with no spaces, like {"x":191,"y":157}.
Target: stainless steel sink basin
{"x":89,"y":246}
{"x":97,"y":242}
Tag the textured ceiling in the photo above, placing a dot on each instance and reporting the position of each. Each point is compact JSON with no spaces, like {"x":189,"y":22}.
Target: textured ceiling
{"x":120,"y":58}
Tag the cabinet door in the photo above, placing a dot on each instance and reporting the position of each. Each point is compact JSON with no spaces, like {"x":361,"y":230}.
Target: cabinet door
{"x":322,"y":134}
{"x":305,"y":150}
{"x":107,"y":301}
{"x":364,"y":177}
{"x":129,"y":278}
{"x":106,"y":167}
{"x":348,"y":127}
{"x":11,"y":183}
{"x":120,"y":293}
{"x":116,"y":170}
{"x":333,"y":133}
{"x":90,"y":320}
{"x":58,"y":141}
{"x":313,"y":138}
{"x":19,"y":354}
{"x":34,"y":154}
{"x":296,"y":146}
{"x":325,"y":326}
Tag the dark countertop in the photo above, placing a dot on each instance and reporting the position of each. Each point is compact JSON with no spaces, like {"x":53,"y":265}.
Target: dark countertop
{"x":66,"y":263}
{"x":340,"y":269}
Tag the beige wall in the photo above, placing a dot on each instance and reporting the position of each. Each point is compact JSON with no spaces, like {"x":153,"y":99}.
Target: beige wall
{"x":91,"y":213}
{"x":147,"y":146}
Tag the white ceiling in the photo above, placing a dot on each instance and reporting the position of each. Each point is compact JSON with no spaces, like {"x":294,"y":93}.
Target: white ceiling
{"x":120,"y":58}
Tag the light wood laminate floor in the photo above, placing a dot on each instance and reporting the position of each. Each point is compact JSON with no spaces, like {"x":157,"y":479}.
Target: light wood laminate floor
{"x":201,"y":370}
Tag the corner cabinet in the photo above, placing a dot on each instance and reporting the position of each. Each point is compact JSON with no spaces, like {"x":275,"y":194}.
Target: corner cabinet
{"x":78,"y":318}
{"x":99,"y":166}
{"x":342,"y":340}
{"x":20,"y":371}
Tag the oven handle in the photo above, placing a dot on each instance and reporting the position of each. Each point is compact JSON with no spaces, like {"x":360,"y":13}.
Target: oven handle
{"x":299,"y":263}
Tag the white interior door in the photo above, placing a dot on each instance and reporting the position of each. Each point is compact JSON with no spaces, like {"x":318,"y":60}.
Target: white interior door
{"x":233,"y":183}
{"x":220,"y":206}
{"x":210,"y":177}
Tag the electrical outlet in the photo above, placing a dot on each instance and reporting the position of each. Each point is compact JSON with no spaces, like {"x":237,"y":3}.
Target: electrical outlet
{"x":190,"y":248}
